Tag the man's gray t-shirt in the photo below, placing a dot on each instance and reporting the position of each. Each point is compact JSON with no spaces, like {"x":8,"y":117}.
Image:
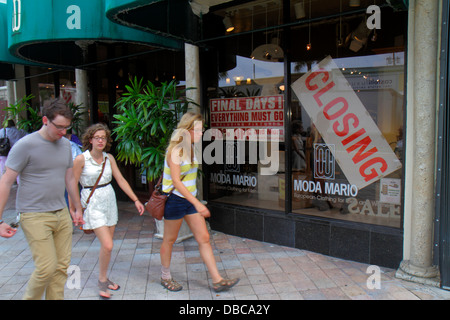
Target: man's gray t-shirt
{"x":42,"y":166}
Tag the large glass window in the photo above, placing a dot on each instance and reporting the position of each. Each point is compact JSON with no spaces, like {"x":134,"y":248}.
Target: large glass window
{"x":347,"y":145}
{"x":341,"y":150}
{"x":247,"y":127}
{"x":347,"y":117}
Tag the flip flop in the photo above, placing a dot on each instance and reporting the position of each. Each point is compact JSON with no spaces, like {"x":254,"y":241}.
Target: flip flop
{"x":103,"y":287}
{"x":110,"y":283}
{"x":225,"y":284}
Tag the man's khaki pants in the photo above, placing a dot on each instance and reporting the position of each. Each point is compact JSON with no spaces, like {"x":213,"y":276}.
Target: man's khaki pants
{"x":49,"y":235}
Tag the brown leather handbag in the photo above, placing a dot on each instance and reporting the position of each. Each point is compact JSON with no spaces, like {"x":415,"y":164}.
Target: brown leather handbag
{"x":157,"y":202}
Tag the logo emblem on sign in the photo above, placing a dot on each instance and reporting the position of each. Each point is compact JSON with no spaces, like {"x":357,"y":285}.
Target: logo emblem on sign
{"x":324,"y":164}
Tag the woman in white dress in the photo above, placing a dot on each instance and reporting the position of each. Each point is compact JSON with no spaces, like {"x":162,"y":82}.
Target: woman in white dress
{"x":101,"y":213}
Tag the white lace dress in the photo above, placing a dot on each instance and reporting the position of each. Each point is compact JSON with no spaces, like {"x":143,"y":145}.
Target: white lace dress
{"x":102,"y":207}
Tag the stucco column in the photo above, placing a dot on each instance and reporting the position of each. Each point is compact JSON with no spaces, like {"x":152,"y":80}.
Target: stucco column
{"x":82,"y":96}
{"x":11,"y":92}
{"x":192,"y":69}
{"x":419,"y":267}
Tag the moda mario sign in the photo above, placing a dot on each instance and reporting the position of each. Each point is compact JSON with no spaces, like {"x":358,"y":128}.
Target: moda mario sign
{"x":265,"y":112}
{"x":340,"y":117}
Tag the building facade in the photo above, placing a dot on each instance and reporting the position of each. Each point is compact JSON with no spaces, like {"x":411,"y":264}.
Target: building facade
{"x":326,"y":122}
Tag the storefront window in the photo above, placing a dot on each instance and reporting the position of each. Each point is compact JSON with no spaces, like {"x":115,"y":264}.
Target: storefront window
{"x":247,"y":123}
{"x":348,"y":140}
{"x":341,"y":151}
{"x":347,"y":119}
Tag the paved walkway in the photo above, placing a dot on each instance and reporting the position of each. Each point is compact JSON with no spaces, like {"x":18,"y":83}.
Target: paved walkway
{"x":267,"y":271}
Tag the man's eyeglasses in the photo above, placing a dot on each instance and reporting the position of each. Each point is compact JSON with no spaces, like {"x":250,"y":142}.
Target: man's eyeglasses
{"x":60,"y":128}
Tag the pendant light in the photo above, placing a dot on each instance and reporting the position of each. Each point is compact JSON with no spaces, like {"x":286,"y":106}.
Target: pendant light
{"x":270,"y":52}
{"x":308,"y":46}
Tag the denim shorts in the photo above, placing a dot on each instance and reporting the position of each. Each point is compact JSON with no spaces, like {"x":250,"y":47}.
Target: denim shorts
{"x":177,"y":207}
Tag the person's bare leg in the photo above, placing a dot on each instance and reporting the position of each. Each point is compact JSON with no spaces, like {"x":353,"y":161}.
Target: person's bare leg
{"x":105,"y":236}
{"x":197,"y":224}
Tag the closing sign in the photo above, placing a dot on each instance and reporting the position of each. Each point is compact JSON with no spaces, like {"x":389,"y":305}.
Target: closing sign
{"x":340,"y":117}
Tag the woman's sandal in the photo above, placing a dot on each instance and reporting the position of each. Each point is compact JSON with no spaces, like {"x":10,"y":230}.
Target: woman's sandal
{"x":171,"y":284}
{"x":105,"y":286}
{"x":225,"y":284}
{"x":112,"y":285}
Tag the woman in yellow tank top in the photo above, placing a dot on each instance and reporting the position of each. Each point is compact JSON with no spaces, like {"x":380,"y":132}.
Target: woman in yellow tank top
{"x":180,"y":172}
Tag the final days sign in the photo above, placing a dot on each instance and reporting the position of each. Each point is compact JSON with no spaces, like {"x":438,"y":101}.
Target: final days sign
{"x":342,"y":120}
{"x":264,"y":112}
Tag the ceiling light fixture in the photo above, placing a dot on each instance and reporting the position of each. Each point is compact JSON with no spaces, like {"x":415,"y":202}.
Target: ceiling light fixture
{"x":228,"y":24}
{"x":358,"y":38}
{"x":308,"y":46}
{"x":270,"y":52}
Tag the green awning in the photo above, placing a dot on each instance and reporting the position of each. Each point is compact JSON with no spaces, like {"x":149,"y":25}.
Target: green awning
{"x":171,"y":18}
{"x":55,"y":31}
{"x":6,"y":59}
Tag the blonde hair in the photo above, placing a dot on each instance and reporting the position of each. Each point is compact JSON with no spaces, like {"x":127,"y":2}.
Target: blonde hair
{"x":180,"y":143}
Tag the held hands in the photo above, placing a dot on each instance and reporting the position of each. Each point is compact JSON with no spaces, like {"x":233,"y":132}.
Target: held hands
{"x":6,"y":231}
{"x":77,"y":217}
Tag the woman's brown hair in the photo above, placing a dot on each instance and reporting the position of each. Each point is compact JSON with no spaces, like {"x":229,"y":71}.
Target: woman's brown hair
{"x":90,"y":132}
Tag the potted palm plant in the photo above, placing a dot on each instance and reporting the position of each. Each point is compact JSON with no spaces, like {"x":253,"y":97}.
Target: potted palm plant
{"x":147,"y":116}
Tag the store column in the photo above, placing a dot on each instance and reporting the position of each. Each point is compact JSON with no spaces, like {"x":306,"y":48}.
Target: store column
{"x":11,"y":92}
{"x":418,"y":266}
{"x":192,"y":68}
{"x":82,"y":96}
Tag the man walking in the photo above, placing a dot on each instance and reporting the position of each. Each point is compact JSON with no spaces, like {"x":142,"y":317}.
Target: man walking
{"x":44,"y":162}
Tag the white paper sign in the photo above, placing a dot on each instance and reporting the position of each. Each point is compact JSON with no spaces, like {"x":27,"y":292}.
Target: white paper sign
{"x":340,"y":117}
{"x":390,"y":190}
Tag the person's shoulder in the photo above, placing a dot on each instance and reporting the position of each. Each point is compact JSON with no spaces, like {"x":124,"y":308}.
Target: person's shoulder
{"x":80,"y":158}
{"x":109,"y":156}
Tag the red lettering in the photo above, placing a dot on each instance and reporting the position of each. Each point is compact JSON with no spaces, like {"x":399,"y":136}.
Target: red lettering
{"x":345,"y":124}
{"x":355,"y":135}
{"x":313,"y":75}
{"x":362,"y":145}
{"x":372,"y":173}
{"x":332,"y":104}
{"x":318,"y":94}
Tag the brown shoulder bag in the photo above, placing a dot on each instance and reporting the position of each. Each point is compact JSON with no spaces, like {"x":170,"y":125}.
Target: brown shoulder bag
{"x":157,"y":202}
